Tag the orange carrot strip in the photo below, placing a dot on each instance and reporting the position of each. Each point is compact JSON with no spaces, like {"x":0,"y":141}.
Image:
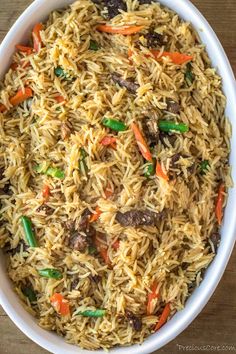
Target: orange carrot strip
{"x":176,"y":58}
{"x":119,"y":30}
{"x":21,"y":96}
{"x":102,"y":248}
{"x":60,"y":304}
{"x":164,"y":316}
{"x":24,"y":49}
{"x":46,"y":192}
{"x":37,"y":37}
{"x":108,"y":193}
{"x":96,"y":215}
{"x":219,"y":204}
{"x":109,"y":140}
{"x":143,"y":147}
{"x":160,"y":173}
{"x":59,"y":99}
{"x":152,"y":296}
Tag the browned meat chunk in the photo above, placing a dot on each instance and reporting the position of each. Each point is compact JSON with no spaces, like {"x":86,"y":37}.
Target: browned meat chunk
{"x":129,"y":84}
{"x":155,"y":40}
{"x":113,"y":7}
{"x":80,"y":239}
{"x":151,"y":131}
{"x":215,"y":239}
{"x":172,"y":106}
{"x":134,"y":320}
{"x":137,"y":218}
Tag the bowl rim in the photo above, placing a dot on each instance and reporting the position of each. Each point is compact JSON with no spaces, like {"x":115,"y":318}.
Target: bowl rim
{"x":202,"y":294}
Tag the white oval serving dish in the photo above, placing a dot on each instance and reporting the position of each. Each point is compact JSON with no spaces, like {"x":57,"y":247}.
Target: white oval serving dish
{"x":38,"y":11}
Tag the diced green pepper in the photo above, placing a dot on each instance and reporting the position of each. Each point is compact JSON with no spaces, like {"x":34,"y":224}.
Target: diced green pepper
{"x":91,"y":313}
{"x":50,"y":273}
{"x":114,"y":124}
{"x":50,"y":171}
{"x":150,"y":169}
{"x":204,"y":166}
{"x":168,"y":126}
{"x":59,"y":72}
{"x":29,"y":233}
{"x":94,"y":45}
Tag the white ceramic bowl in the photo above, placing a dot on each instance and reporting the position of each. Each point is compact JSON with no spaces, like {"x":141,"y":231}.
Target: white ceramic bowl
{"x":38,"y":11}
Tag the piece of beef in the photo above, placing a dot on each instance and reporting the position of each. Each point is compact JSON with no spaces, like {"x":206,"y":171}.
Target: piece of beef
{"x":137,"y":218}
{"x":165,"y":136}
{"x":215,"y":239}
{"x":46,"y":209}
{"x":134,"y":320}
{"x":113,"y":7}
{"x":129,"y":84}
{"x":172,"y":106}
{"x":151,"y":131}
{"x":155,"y":40}
{"x":80,"y":239}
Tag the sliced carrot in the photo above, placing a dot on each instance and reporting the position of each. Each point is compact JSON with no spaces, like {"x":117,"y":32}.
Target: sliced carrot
{"x":176,"y":58}
{"x":143,"y":147}
{"x":126,"y":30}
{"x":60,"y":304}
{"x":116,"y":245}
{"x":109,"y":140}
{"x":46,"y":192}
{"x":96,"y":215}
{"x":160,"y":173}
{"x":219,"y":204}
{"x":59,"y":99}
{"x":102,"y":248}
{"x":37,"y":37}
{"x":152,"y":296}
{"x":108,"y":193}
{"x":21,"y":96}
{"x":24,"y":49}
{"x":164,"y":316}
